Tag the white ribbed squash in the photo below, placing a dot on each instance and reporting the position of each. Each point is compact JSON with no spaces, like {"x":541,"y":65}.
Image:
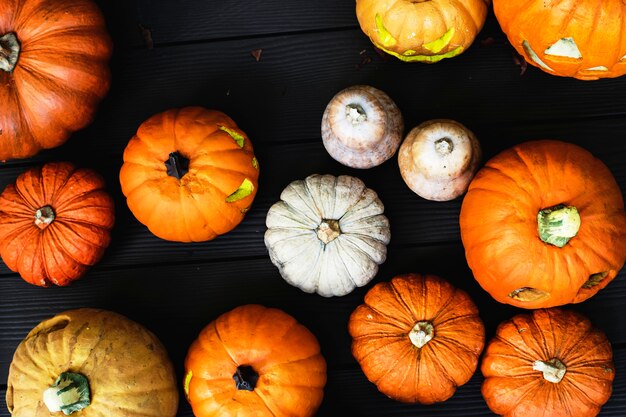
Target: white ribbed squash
{"x":327,"y":234}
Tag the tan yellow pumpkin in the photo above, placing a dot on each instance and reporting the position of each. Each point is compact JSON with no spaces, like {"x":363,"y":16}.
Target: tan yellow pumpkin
{"x":422,"y":30}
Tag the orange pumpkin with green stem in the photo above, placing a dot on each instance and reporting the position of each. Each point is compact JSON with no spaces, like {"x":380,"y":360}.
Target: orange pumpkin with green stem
{"x":189,"y":174}
{"x":543,"y":224}
{"x":422,"y":30}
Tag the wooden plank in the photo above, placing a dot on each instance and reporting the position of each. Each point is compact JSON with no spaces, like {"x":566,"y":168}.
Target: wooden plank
{"x":177,"y":301}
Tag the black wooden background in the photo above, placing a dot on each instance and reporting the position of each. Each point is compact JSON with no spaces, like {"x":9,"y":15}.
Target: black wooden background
{"x":175,"y":53}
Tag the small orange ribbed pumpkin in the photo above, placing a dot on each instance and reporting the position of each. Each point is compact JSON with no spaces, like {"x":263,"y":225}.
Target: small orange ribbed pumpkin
{"x":584,"y":39}
{"x":543,"y":224}
{"x":548,"y":363}
{"x":55,"y":223}
{"x":189,"y":174}
{"x":255,"y":361}
{"x":422,"y":30}
{"x":53,"y":72}
{"x":417,"y":338}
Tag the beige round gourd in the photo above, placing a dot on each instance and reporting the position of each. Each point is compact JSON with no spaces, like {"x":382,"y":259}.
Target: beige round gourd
{"x":439,"y":158}
{"x":91,"y":363}
{"x":362,"y":127}
{"x":327,"y":234}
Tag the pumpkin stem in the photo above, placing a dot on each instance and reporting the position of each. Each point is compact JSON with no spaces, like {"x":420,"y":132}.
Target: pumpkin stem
{"x":69,"y":393}
{"x":553,"y":369}
{"x":422,"y":333}
{"x":44,"y":216}
{"x":328,"y":230}
{"x":558,"y":224}
{"x":177,"y":165}
{"x":245,"y":378}
{"x":444,"y":146}
{"x":355,"y":114}
{"x":9,"y":51}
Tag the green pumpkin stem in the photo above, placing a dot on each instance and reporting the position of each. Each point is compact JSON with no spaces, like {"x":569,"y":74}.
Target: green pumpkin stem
{"x":177,"y":165}
{"x":245,"y":378}
{"x":9,"y":52}
{"x":558,"y":224}
{"x":44,"y":217}
{"x":68,"y":394}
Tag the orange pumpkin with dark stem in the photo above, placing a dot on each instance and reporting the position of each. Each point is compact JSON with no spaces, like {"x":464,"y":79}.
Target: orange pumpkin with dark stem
{"x":584,"y":39}
{"x":255,"y":361}
{"x":53,"y":72}
{"x":55,"y":223}
{"x":417,"y":338}
{"x":422,"y":30}
{"x":548,"y":363}
{"x":543,"y":224}
{"x":189,"y":175}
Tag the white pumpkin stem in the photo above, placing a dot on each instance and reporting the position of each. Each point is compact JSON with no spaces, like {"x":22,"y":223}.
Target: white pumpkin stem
{"x":553,"y":369}
{"x":44,"y":217}
{"x":9,"y":52}
{"x":328,"y":230}
{"x":355,"y":114}
{"x":422,"y":333}
{"x":558,"y":224}
{"x":444,"y":146}
{"x":69,"y":393}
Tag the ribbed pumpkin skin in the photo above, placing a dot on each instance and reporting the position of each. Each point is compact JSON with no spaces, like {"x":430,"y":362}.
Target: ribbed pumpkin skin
{"x":194,"y":208}
{"x":380,"y":338}
{"x":499,"y":223}
{"x":75,"y":240}
{"x":512,"y":388}
{"x":284,"y":353}
{"x":127,"y":367}
{"x":595,"y":26}
{"x":409,"y":27}
{"x":60,"y":77}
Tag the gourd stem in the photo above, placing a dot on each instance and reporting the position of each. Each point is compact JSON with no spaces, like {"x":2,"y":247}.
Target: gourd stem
{"x":422,"y":333}
{"x":328,"y":230}
{"x":245,"y":378}
{"x":69,"y":393}
{"x":558,"y":224}
{"x":177,"y":165}
{"x":9,"y":51}
{"x":44,"y":217}
{"x":355,"y":114}
{"x":553,"y":369}
{"x":444,"y":146}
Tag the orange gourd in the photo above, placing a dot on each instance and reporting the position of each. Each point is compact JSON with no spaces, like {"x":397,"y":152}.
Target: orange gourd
{"x":417,"y":338}
{"x":53,"y":72}
{"x":548,"y":363}
{"x":584,"y":39}
{"x":189,"y":174}
{"x":422,"y":30}
{"x":55,"y":223}
{"x":543,"y":224}
{"x":255,"y":361}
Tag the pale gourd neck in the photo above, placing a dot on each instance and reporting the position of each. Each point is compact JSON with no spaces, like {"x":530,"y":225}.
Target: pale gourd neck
{"x":9,"y":52}
{"x":69,"y":393}
{"x":444,"y":146}
{"x":44,"y":217}
{"x":553,"y":370}
{"x":245,"y":378}
{"x":355,"y":114}
{"x":422,"y":333}
{"x":558,"y":224}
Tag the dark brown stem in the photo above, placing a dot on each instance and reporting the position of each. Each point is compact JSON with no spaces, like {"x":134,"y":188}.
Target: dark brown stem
{"x":245,"y":378}
{"x":9,"y":51}
{"x":177,"y":165}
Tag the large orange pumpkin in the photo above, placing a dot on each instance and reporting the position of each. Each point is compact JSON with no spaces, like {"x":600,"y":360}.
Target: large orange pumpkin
{"x":53,"y":72}
{"x":422,"y":30}
{"x":417,"y":338}
{"x":255,"y":361}
{"x":584,"y":39}
{"x":548,"y":363}
{"x":55,"y":223}
{"x":543,"y":224}
{"x":189,"y":174}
